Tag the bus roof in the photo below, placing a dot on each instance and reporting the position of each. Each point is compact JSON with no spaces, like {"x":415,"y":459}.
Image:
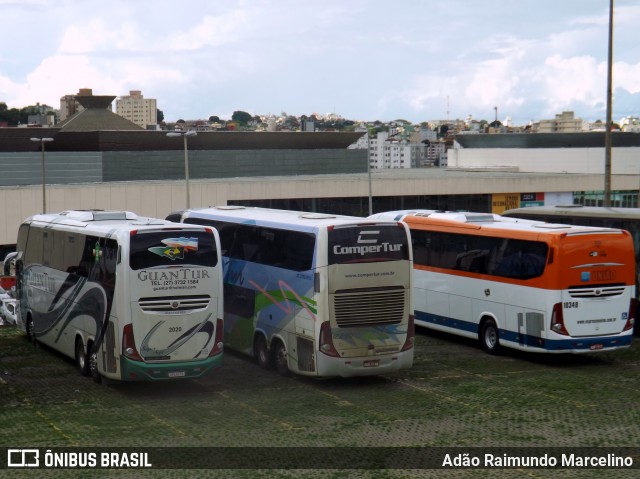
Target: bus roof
{"x":577,"y":210}
{"x":488,"y":221}
{"x":299,"y":220}
{"x":100,"y":221}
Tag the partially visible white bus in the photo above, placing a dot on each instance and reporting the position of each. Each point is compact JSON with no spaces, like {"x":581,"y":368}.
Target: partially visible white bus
{"x":528,"y":285}
{"x":314,"y":294}
{"x":129,"y":298}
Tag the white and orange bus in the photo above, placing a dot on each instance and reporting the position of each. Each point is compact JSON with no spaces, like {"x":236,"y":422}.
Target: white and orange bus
{"x":523,"y":284}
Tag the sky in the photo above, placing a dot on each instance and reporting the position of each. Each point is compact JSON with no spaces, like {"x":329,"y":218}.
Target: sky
{"x":365,"y":60}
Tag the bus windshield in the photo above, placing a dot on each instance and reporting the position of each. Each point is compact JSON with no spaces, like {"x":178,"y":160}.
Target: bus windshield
{"x":364,"y":243}
{"x":172,"y":248}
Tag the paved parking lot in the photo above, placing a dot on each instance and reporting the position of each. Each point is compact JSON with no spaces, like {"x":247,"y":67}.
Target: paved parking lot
{"x":454,"y":396}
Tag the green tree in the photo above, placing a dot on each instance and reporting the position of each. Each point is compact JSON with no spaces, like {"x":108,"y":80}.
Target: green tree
{"x":242,"y":117}
{"x":14,"y":116}
{"x":159,"y":116}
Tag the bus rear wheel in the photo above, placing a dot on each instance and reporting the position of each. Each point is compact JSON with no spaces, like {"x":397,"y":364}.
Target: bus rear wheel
{"x":261,"y":352}
{"x":280,"y":358}
{"x":81,"y":358}
{"x":489,"y":337}
{"x":93,"y":365}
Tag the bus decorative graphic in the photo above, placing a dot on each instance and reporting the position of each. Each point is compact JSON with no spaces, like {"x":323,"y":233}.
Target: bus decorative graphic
{"x":288,"y":309}
{"x":146,"y":351}
{"x":175,"y":248}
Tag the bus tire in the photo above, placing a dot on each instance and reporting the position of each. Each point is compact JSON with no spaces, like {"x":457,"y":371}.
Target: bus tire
{"x":261,"y":352}
{"x":280,"y":358}
{"x":93,"y":365}
{"x":81,"y":358}
{"x":490,"y":337}
{"x":31,"y":334}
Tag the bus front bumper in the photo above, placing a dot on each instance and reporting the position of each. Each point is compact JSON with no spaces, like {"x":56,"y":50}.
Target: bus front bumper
{"x":141,"y":371}
{"x":367,"y":366}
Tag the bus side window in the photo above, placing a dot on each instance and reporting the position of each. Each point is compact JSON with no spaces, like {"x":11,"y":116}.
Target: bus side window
{"x":227,"y":235}
{"x":71,"y":252}
{"x":522,"y":259}
{"x":87,"y":260}
{"x":33,"y":253}
{"x":419,"y":240}
{"x":47,"y":247}
{"x":241,"y":242}
{"x":298,"y":251}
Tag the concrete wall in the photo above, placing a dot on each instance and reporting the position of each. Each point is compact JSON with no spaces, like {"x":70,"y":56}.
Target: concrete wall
{"x":158,"y":198}
{"x":169,"y":165}
{"x":549,"y":160}
{"x":60,"y":167}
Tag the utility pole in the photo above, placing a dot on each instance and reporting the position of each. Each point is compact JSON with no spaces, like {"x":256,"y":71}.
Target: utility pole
{"x":607,"y":135}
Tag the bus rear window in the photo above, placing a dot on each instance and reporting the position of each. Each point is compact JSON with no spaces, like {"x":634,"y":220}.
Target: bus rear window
{"x":363,"y":243}
{"x":172,"y":248}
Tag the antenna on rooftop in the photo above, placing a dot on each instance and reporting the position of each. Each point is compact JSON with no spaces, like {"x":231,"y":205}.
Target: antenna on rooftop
{"x":447,"y":108}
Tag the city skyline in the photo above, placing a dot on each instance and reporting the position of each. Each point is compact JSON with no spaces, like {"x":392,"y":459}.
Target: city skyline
{"x":362,"y":59}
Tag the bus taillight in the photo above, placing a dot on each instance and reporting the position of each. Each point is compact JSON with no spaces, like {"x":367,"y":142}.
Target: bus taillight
{"x":218,"y":344}
{"x":128,"y":344}
{"x":411,"y":333}
{"x":631,"y":319}
{"x":326,"y":341}
{"x":557,"y":320}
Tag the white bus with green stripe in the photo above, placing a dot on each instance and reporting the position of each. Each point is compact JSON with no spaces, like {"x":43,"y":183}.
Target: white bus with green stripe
{"x":128,"y":298}
{"x":314,"y":294}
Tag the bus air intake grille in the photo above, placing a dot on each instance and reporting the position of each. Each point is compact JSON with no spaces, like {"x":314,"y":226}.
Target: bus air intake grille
{"x":172,"y":304}
{"x":370,"y":306}
{"x":597,"y":291}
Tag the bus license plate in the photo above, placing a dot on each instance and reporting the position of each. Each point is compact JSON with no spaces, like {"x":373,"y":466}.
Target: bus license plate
{"x":177,"y":374}
{"x":371,"y":363}
{"x":595,"y":347}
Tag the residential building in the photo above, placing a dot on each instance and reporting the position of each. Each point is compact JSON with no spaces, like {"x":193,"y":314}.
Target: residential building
{"x":630,"y":124}
{"x":139,"y":110}
{"x":564,"y":122}
{"x":69,"y":105}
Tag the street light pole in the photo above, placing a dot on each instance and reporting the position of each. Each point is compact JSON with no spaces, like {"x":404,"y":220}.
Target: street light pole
{"x":184,"y":136}
{"x":369,"y":173}
{"x":44,"y":195}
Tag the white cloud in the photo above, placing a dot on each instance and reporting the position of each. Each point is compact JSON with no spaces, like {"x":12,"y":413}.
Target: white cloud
{"x":211,"y":31}
{"x":99,"y":36}
{"x":370,"y":58}
{"x":627,"y":76}
{"x":574,"y":80}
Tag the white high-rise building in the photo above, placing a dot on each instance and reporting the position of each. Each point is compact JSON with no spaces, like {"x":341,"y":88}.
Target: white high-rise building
{"x":393,"y":151}
{"x":141,"y":111}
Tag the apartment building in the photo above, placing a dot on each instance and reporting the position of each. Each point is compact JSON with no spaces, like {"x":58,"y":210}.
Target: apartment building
{"x":137,"y":109}
{"x":630,"y":124}
{"x":395,"y":149}
{"x":564,"y":122}
{"x":69,"y":105}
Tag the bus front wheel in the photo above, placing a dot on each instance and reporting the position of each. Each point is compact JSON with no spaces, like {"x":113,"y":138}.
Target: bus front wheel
{"x":489,"y":337}
{"x":280,"y":357}
{"x":261,"y":352}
